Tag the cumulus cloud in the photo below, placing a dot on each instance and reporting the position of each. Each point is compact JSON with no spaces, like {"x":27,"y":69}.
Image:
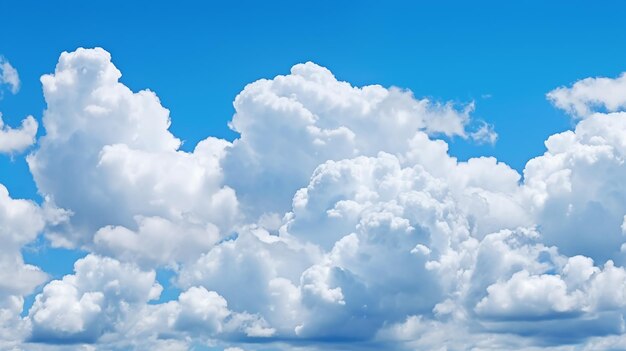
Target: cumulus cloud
{"x":337,"y":216}
{"x":198,"y":316}
{"x":157,"y":241}
{"x":316,"y":118}
{"x":575,"y":188}
{"x":17,"y":139}
{"x":589,"y":95}
{"x":108,"y":157}
{"x":82,"y":306}
{"x":9,"y":75}
{"x":525,"y":296}
{"x":20,"y":223}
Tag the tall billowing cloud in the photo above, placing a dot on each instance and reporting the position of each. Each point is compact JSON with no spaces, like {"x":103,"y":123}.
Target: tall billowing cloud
{"x":336,"y":220}
{"x":109,"y":158}
{"x":577,"y":189}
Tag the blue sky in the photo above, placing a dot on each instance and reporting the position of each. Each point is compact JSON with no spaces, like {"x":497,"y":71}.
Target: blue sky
{"x":197,"y":57}
{"x":448,"y":50}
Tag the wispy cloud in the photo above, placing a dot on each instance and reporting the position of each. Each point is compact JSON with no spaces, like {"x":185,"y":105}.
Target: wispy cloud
{"x":9,"y":75}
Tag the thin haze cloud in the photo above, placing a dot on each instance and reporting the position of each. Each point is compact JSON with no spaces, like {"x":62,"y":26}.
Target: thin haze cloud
{"x":9,"y":75}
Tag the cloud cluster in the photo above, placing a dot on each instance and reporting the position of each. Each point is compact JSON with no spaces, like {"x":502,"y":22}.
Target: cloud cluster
{"x":337,"y":219}
{"x":291,"y":124}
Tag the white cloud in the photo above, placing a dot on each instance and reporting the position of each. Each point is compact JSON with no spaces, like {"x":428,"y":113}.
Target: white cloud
{"x":206,"y":313}
{"x":9,"y":75}
{"x":14,"y":140}
{"x":108,"y":157}
{"x":21,"y":219}
{"x":336,"y":215}
{"x":270,"y":266}
{"x":201,"y":311}
{"x":20,"y":223}
{"x":198,"y":316}
{"x":366,"y":215}
{"x":485,"y":134}
{"x":17,"y":139}
{"x":157,"y":241}
{"x":576,"y":188}
{"x":589,"y":95}
{"x":94,"y":300}
{"x":291,"y":124}
{"x":525,"y":296}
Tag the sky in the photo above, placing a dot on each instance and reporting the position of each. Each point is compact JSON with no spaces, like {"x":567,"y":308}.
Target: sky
{"x":312,"y":175}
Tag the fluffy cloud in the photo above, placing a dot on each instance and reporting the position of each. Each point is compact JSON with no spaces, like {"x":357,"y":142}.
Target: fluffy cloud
{"x":197,"y":317}
{"x":573,"y":204}
{"x":576,"y":187}
{"x":337,"y":216}
{"x":366,"y":216}
{"x":157,"y":241}
{"x":9,"y":75}
{"x":271,"y":267}
{"x":588,"y":95}
{"x":92,"y":301}
{"x":320,"y":118}
{"x":14,"y":139}
{"x":112,"y":148}
{"x":17,"y":139}
{"x":206,"y":313}
{"x":525,"y":296}
{"x":20,"y":222}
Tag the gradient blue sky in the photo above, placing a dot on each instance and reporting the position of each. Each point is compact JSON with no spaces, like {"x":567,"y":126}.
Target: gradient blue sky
{"x":197,"y":56}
